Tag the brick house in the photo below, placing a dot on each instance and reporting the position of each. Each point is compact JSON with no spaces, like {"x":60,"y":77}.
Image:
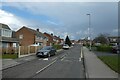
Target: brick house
{"x":57,"y":40}
{"x":50,"y":41}
{"x":30,"y":36}
{"x":53,"y":39}
{"x":8,"y":41}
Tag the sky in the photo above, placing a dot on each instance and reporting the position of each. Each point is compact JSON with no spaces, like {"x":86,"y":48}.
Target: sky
{"x":62,"y":18}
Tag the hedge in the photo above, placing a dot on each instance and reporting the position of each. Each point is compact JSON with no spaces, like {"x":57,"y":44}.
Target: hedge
{"x":104,"y":48}
{"x":57,"y":47}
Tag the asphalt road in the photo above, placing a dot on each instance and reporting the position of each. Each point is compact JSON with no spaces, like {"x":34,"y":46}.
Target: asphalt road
{"x":65,"y":64}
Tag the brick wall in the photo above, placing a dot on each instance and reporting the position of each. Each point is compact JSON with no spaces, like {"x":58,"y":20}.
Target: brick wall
{"x":28,"y":37}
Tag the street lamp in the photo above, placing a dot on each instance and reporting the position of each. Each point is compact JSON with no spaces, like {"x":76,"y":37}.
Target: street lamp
{"x":89,"y":29}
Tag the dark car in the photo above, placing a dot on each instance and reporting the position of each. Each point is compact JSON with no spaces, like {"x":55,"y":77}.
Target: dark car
{"x":46,"y":51}
{"x":115,"y":49}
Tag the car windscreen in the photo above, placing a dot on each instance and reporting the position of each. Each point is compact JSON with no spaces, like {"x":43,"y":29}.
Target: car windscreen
{"x":65,"y":45}
{"x":46,"y":48}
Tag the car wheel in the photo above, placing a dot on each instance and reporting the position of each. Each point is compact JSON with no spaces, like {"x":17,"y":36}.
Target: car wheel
{"x":55,"y":53}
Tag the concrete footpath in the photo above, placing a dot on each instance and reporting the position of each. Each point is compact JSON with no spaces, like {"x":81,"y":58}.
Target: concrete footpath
{"x":95,"y":68}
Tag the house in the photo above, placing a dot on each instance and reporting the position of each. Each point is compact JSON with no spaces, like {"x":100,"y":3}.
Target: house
{"x":30,"y":36}
{"x":61,"y":41}
{"x":57,"y":40}
{"x":50,"y":39}
{"x":113,"y":40}
{"x":8,"y":41}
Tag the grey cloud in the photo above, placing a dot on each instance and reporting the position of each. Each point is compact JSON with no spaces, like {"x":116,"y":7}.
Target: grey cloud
{"x":73,"y":17}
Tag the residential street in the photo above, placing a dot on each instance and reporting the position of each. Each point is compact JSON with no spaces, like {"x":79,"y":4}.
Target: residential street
{"x":65,"y":64}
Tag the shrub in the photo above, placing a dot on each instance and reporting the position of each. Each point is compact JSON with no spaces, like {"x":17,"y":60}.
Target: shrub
{"x":104,"y":48}
{"x":57,"y":47}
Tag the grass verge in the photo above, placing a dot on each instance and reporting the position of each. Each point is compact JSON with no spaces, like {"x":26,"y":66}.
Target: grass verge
{"x":111,"y":61}
{"x":9,"y":56}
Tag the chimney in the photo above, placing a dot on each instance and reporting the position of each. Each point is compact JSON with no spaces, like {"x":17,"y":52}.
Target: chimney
{"x":37,"y":30}
{"x":52,"y":34}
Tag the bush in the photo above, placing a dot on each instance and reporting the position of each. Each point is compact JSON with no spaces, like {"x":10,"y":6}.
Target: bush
{"x":57,"y":47}
{"x":104,"y":48}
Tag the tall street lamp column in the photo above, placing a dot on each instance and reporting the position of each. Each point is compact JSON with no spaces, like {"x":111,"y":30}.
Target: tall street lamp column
{"x":89,"y":30}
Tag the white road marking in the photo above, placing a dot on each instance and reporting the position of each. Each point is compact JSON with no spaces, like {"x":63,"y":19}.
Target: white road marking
{"x":45,"y":59}
{"x":63,"y":58}
{"x":39,"y":59}
{"x":81,"y":53}
{"x":67,"y":61}
{"x":54,"y":58}
{"x":45,"y":67}
{"x":79,"y":59}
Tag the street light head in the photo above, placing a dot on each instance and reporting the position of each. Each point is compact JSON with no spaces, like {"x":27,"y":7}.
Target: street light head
{"x":87,"y":14}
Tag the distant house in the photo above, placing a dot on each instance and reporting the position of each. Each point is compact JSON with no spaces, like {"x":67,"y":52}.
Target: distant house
{"x":61,"y":41}
{"x":57,"y":40}
{"x":7,"y":38}
{"x":30,"y":36}
{"x":114,"y":39}
{"x":50,"y":39}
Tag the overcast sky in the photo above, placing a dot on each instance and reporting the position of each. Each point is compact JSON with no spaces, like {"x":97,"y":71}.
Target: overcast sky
{"x":62,"y":18}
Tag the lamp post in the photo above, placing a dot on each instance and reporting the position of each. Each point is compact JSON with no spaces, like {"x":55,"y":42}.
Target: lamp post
{"x":89,"y":29}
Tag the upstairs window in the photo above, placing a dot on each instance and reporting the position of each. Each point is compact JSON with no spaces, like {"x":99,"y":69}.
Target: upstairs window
{"x":21,"y":36}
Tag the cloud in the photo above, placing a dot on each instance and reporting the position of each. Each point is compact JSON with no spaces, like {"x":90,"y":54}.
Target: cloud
{"x":10,"y":19}
{"x":72,"y":16}
{"x":60,"y":0}
{"x":51,"y":22}
{"x":115,"y":30}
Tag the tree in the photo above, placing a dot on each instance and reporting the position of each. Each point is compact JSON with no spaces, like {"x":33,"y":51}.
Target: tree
{"x":102,"y":38}
{"x":67,"y":41}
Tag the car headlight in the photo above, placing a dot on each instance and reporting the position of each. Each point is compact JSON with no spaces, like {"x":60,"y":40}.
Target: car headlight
{"x":45,"y":53}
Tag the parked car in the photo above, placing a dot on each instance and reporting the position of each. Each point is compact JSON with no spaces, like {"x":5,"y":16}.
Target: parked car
{"x":66,"y":46}
{"x":73,"y":44}
{"x":115,"y":49}
{"x":46,"y":51}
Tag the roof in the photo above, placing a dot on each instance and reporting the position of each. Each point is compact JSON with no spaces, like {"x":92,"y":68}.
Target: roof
{"x":57,"y":38}
{"x":34,"y":31}
{"x":46,"y":34}
{"x":4,"y":26}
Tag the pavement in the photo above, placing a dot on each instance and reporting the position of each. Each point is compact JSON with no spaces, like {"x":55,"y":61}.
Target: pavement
{"x":95,"y":68}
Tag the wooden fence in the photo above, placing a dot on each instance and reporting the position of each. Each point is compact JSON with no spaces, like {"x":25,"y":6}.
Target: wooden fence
{"x":21,"y":50}
{"x":9,"y":50}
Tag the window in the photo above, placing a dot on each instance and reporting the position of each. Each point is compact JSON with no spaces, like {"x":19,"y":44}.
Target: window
{"x":4,"y":45}
{"x":6,"y":33}
{"x":114,"y":39}
{"x":21,"y":36}
{"x":14,"y":45}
